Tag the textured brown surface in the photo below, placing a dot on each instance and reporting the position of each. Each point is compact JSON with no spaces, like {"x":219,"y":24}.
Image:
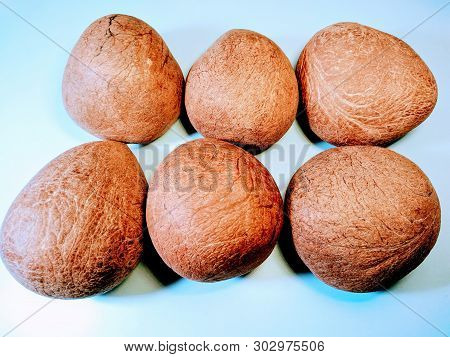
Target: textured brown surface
{"x":362,"y":217}
{"x":242,"y":90}
{"x":213,"y":211}
{"x":361,"y":86}
{"x":76,"y":229}
{"x":121,"y":82}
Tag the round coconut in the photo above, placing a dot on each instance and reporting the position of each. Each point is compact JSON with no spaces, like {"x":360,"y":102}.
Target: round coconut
{"x":121,"y":81}
{"x":361,"y":86}
{"x":213,"y":211}
{"x":76,"y":228}
{"x":242,"y":90}
{"x":362,"y":217}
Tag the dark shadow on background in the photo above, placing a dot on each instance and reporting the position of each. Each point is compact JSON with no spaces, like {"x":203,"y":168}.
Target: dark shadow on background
{"x":287,"y":248}
{"x":245,"y":275}
{"x":153,"y":261}
{"x":187,"y":125}
{"x":251,"y":149}
{"x":184,"y":119}
{"x":302,"y":120}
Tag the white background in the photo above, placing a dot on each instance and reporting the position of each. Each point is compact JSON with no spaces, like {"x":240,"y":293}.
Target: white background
{"x":272,"y":300}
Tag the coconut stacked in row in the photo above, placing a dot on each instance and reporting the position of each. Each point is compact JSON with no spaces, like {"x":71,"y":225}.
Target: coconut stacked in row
{"x":361,"y":216}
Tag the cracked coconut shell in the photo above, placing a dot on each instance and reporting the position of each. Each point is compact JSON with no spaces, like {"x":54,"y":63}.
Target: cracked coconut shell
{"x":121,"y":81}
{"x":361,"y":86}
{"x":213,"y":211}
{"x":362,"y":217}
{"x":76,"y":228}
{"x":242,"y":90}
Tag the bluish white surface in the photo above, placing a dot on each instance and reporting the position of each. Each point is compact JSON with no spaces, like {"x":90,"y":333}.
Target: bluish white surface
{"x":272,"y":300}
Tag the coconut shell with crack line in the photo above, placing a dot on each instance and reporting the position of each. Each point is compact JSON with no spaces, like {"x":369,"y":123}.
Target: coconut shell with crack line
{"x":121,"y":82}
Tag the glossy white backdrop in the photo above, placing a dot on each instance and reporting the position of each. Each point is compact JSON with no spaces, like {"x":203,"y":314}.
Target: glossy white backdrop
{"x":272,"y":300}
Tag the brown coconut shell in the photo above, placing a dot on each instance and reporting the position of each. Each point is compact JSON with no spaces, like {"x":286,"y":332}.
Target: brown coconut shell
{"x":213,"y":211}
{"x":242,"y":90}
{"x":361,"y":86}
{"x":362,"y":217}
{"x":76,"y":228}
{"x":121,"y":82}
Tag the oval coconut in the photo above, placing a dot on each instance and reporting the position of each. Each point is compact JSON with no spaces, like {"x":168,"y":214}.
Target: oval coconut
{"x":121,"y":82}
{"x":213,"y":211}
{"x":242,"y":90}
{"x":361,"y":86}
{"x":76,"y":228}
{"x":362,"y":217}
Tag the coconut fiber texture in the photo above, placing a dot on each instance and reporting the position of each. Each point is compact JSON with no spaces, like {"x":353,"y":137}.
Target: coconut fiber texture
{"x":242,"y":90}
{"x":76,"y":228}
{"x":361,"y":86}
{"x":121,"y":81}
{"x":362,"y":217}
{"x":213,"y":211}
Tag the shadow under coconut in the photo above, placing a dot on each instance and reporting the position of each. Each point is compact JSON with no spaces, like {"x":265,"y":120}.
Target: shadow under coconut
{"x":153,"y":261}
{"x":184,"y":119}
{"x":303,"y":122}
{"x":151,"y":274}
{"x":287,"y":249}
{"x":335,"y":294}
{"x":302,"y":119}
{"x":190,"y":130}
{"x":140,"y":282}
